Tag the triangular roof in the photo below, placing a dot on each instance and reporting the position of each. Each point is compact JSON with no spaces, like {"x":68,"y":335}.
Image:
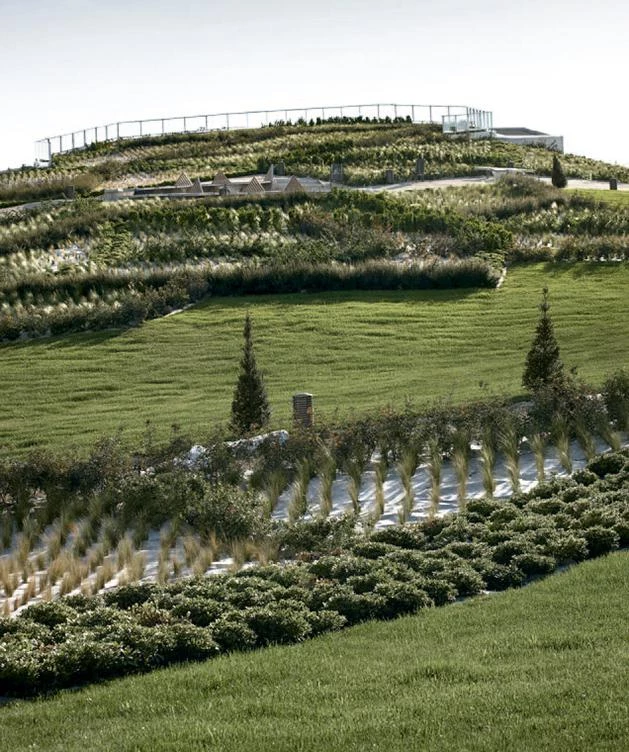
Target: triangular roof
{"x":183,"y":181}
{"x":293,"y":186}
{"x":253,"y":186}
{"x":268,"y":178}
{"x":220,"y":179}
{"x":196,"y":186}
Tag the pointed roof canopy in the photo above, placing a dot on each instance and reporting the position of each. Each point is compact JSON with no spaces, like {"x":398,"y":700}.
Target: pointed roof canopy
{"x":183,"y":181}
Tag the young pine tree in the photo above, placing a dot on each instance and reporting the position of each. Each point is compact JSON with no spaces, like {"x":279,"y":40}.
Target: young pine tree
{"x":558,"y":176}
{"x":543,"y":366}
{"x":250,"y":406}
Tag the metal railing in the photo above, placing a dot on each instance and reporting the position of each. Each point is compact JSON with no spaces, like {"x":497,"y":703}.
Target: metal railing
{"x":129,"y":129}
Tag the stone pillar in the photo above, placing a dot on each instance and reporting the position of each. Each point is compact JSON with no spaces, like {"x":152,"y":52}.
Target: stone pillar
{"x":303,"y":414}
{"x":613,"y":184}
{"x":420,"y":168}
{"x":336,"y":173}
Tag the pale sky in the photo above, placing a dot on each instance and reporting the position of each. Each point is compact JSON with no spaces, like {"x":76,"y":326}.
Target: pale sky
{"x":559,"y":66}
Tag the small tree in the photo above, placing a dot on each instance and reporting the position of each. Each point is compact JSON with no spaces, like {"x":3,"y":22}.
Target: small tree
{"x":558,"y":176}
{"x":250,"y":406}
{"x":543,"y":366}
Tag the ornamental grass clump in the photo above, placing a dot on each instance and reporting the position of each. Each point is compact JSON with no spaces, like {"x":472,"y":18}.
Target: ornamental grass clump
{"x":298,"y":504}
{"x":355,"y":467}
{"x":435,"y":464}
{"x":406,"y":469}
{"x":326,"y":481}
{"x":275,"y":484}
{"x":585,"y":439}
{"x":538,"y":445}
{"x":461,"y":455}
{"x":380,"y":471}
{"x":561,"y":435}
{"x":509,"y":440}
{"x":488,"y":462}
{"x":607,"y":432}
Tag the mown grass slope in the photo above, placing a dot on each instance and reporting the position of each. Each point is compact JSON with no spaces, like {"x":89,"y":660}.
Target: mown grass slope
{"x":543,"y":668}
{"x":354,"y":351}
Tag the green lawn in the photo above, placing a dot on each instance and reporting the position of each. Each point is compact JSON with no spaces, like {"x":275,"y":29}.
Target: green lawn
{"x":610,"y":197}
{"x":543,"y":668}
{"x":354,"y":351}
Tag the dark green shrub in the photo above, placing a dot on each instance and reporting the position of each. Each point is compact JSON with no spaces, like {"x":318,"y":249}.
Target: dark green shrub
{"x":130,"y":595}
{"x":567,"y":548}
{"x":325,"y":621}
{"x":371,"y":549}
{"x":340,"y":568}
{"x":198,"y":611}
{"x":49,"y":614}
{"x":402,"y":537}
{"x":600,"y":540}
{"x":616,"y":398}
{"x":279,"y":624}
{"x":227,"y":511}
{"x":398,"y":598}
{"x":232,"y":633}
{"x":534,"y":563}
{"x":498,"y":576}
{"x":607,"y":464}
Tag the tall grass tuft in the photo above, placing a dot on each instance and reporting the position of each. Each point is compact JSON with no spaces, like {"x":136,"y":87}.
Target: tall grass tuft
{"x":191,"y":549}
{"x":538,"y":445}
{"x":326,"y":478}
{"x":510,"y":445}
{"x":488,"y":461}
{"x":406,"y":469}
{"x":137,"y":566}
{"x":610,"y":436}
{"x":461,"y":454}
{"x":6,"y":531}
{"x":435,"y":464}
{"x":124,"y":552}
{"x":275,"y":484}
{"x":298,"y":504}
{"x":204,"y":561}
{"x":561,"y":436}
{"x":354,"y":468}
{"x":381,"y":469}
{"x":585,"y":439}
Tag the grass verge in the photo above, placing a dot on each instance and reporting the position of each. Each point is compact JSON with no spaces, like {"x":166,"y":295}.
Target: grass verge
{"x":541,"y":668}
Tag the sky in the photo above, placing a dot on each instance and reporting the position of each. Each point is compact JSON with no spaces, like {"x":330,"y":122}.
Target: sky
{"x":553,"y":65}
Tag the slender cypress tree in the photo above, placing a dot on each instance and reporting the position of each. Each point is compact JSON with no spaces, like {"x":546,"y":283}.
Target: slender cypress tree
{"x":558,"y":176}
{"x":543,"y":365}
{"x":250,"y":406}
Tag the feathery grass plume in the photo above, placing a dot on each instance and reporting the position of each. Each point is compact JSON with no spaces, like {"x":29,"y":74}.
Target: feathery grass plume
{"x":124,"y":551}
{"x":435,"y":464}
{"x":163,"y":566}
{"x":238,"y":555}
{"x":461,"y":454}
{"x":406,"y":468}
{"x":561,"y":436}
{"x":585,"y":439}
{"x":266,"y":551}
{"x":43,"y":582}
{"x":204,"y":561}
{"x":23,"y":546}
{"x":110,"y":533}
{"x":54,"y":542}
{"x":137,"y":566}
{"x":40,"y":562}
{"x":275,"y":484}
{"x":8,"y":579}
{"x":59,"y":566}
{"x":488,"y":461}
{"x":82,"y":538}
{"x":191,"y":549}
{"x":177,"y":566}
{"x":6,"y":608}
{"x":168,"y":536}
{"x":140,"y":533}
{"x":66,"y":523}
{"x":381,"y":469}
{"x":354,"y":468}
{"x":96,"y":556}
{"x":46,"y":595}
{"x":298,"y":504}
{"x":510,"y":445}
{"x":606,"y":431}
{"x":31,"y":587}
{"x":326,"y":477}
{"x":538,"y":445}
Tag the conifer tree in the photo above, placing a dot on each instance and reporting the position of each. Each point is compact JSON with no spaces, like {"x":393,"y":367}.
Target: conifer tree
{"x":558,"y":176}
{"x":543,"y":365}
{"x":250,"y":406}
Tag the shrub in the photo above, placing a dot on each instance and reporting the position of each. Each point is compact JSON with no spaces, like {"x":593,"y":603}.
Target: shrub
{"x":600,"y":540}
{"x":607,"y":464}
{"x":616,"y":398}
{"x":278,"y":624}
{"x":232,"y":633}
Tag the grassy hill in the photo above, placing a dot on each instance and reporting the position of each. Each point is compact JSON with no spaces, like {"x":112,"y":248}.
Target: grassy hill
{"x":355,"y":351}
{"x":366,"y":150}
{"x":541,"y":668}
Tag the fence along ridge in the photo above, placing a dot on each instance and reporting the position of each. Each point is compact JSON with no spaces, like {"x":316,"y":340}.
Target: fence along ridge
{"x":130,"y":129}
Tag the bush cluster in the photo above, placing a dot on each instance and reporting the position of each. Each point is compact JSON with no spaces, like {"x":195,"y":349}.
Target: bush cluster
{"x":493,"y":545}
